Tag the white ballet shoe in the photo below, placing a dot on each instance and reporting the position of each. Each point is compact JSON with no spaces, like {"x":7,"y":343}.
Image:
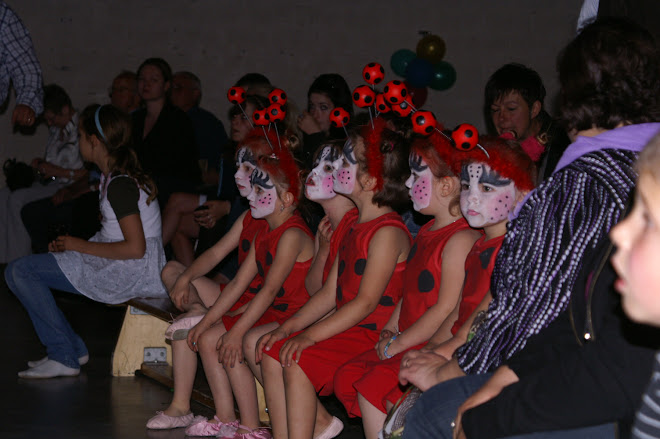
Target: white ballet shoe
{"x":49,"y":369}
{"x":81,"y":360}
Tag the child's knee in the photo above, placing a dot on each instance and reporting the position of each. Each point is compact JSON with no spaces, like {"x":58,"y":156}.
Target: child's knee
{"x":172,"y":268}
{"x":16,"y":270}
{"x":207,"y":342}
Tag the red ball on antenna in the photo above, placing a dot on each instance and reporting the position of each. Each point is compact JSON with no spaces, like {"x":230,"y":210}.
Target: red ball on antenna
{"x":236,"y":95}
{"x":339,"y":117}
{"x":403,"y":109}
{"x":465,"y":136}
{"x":381,"y":104}
{"x":373,"y":73}
{"x":277,"y":96}
{"x":395,"y":92}
{"x":260,"y":117}
{"x":364,"y":96}
{"x":275,"y":113}
{"x":423,"y":122}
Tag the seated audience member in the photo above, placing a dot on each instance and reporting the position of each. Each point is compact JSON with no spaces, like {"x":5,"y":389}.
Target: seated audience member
{"x":553,"y":255}
{"x":59,"y":167}
{"x":182,"y":222}
{"x":514,"y":102}
{"x":327,"y":92}
{"x":123,"y":92}
{"x":255,"y":84}
{"x":74,"y":209}
{"x":120,"y":262}
{"x":635,"y":262}
{"x":163,"y":135}
{"x":210,"y":133}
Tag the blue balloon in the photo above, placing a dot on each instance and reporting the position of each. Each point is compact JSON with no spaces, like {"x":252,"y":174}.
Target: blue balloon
{"x":419,"y":72}
{"x":400,"y":60}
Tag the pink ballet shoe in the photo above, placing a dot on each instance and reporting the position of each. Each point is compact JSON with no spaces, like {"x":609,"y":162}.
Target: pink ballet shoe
{"x":257,"y":433}
{"x":165,"y":422}
{"x":332,"y":430}
{"x":179,"y":329}
{"x":217,"y":428}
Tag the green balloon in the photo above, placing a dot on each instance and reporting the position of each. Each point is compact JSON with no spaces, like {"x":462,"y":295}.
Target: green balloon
{"x":444,"y":76}
{"x":400,"y":60}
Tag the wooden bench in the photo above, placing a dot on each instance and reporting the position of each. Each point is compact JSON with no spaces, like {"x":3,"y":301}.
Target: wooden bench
{"x":142,"y":347}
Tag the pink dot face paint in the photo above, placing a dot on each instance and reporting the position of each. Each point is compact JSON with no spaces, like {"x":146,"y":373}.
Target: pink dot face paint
{"x":345,"y":170}
{"x":245,"y":164}
{"x":486,"y":197}
{"x":420,"y":182}
{"x":319,"y":184}
{"x":263,"y":196}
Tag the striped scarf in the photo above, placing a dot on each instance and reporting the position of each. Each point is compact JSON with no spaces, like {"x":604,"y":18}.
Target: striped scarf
{"x":543,"y":250}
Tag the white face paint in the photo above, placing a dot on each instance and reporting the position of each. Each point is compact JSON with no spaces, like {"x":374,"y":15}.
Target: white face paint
{"x":420,"y":182}
{"x":345,"y":170}
{"x":245,"y":164}
{"x":263,"y":196}
{"x":486,"y":197}
{"x":319,"y":184}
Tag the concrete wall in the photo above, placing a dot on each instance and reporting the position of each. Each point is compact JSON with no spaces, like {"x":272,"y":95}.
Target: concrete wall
{"x":82,"y":45}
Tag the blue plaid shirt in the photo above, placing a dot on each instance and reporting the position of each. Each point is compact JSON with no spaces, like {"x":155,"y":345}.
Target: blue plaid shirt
{"x":18,"y":62}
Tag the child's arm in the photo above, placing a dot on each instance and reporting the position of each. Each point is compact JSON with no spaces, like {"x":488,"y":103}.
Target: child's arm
{"x":205,"y":262}
{"x":449,"y":293}
{"x":387,"y":247}
{"x":290,"y":247}
{"x":132,"y":247}
{"x":439,"y":343}
{"x":314,"y":278}
{"x":232,"y":292}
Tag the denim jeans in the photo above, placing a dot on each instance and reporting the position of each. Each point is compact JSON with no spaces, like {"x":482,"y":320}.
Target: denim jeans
{"x":434,"y":411}
{"x":30,"y":278}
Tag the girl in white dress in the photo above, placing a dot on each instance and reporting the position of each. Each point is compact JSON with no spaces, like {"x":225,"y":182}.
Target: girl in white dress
{"x":120,"y":262}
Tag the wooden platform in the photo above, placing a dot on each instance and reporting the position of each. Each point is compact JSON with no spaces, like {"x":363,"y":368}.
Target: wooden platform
{"x":145,"y":323}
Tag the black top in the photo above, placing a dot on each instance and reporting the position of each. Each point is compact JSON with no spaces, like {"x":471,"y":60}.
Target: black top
{"x":589,"y":367}
{"x":169,"y":150}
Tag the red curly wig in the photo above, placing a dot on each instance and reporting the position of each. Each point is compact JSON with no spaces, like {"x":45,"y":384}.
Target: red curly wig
{"x":438,"y":153}
{"x":507,"y":158}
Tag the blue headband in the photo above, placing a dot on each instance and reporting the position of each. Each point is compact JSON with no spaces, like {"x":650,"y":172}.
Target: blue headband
{"x":98,"y":124}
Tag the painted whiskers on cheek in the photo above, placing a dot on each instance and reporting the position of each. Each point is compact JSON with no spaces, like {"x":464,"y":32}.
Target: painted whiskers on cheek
{"x":486,"y":197}
{"x":319,"y":185}
{"x":263,"y":196}
{"x":345,"y":170}
{"x":420,"y":182}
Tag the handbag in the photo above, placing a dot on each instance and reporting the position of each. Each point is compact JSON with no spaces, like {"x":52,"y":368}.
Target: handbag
{"x":18,"y":175}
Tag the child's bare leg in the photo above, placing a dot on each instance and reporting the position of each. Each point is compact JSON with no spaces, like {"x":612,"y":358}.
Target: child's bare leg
{"x":250,"y":343}
{"x":322,"y":420}
{"x":273,"y":377}
{"x":245,"y":392}
{"x":215,"y":373}
{"x":301,"y":404}
{"x":372,"y":418}
{"x":203,"y":291}
{"x":184,"y":368}
{"x":181,"y":242}
{"x":178,"y":205}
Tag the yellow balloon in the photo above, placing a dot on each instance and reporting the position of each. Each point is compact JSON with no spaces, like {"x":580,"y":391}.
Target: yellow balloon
{"x":431,"y":48}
